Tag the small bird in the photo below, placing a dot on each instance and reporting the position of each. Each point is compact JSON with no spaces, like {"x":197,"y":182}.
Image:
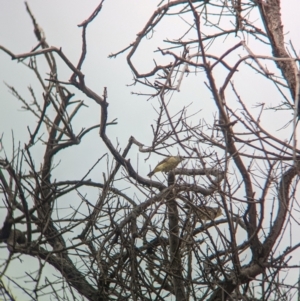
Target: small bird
{"x":166,"y":164}
{"x":207,"y":213}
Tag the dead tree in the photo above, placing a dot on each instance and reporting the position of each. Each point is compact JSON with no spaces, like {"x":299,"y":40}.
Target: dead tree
{"x":214,"y":228}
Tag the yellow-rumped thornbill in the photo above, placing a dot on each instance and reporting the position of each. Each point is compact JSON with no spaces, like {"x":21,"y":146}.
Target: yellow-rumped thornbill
{"x":208,"y":213}
{"x":166,"y":164}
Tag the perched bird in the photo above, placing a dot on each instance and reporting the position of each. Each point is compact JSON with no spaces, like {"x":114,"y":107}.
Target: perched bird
{"x":207,"y":213}
{"x":166,"y":164}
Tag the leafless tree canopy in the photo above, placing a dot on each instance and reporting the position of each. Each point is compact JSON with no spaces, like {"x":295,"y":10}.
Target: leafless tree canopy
{"x":153,"y":241}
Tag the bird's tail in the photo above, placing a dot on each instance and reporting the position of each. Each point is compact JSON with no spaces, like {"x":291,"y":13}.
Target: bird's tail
{"x":150,"y":174}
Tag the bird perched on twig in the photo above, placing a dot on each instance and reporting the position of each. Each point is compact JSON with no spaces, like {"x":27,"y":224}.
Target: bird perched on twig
{"x":166,"y":164}
{"x":207,"y":213}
